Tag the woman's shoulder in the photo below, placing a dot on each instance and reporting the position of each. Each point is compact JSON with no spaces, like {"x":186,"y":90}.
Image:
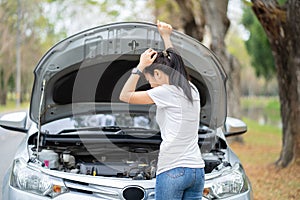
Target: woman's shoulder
{"x":162,"y":89}
{"x":171,"y":88}
{"x":167,"y":90}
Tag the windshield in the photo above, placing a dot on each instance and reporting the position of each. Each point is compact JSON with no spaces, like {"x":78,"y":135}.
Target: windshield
{"x":100,"y":120}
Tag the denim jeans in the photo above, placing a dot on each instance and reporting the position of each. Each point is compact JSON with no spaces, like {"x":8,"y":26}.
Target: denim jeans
{"x":180,"y":183}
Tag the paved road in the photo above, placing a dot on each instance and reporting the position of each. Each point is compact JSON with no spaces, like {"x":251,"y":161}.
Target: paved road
{"x":9,"y":142}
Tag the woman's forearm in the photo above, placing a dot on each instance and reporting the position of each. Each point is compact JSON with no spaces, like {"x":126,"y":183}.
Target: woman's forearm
{"x":128,"y":93}
{"x":129,"y":87}
{"x":167,"y":41}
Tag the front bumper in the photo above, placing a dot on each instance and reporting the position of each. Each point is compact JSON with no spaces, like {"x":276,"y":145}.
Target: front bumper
{"x":10,"y":193}
{"x":87,"y":190}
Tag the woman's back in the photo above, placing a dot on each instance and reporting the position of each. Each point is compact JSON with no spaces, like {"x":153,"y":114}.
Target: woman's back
{"x":178,"y":119}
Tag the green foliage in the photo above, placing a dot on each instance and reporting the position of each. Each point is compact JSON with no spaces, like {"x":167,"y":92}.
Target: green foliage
{"x":236,"y":46}
{"x":273,"y":110}
{"x":258,"y":46}
{"x":91,"y":2}
{"x":114,"y":13}
{"x":11,"y":107}
{"x":168,"y":11}
{"x":11,"y":83}
{"x":282,"y":2}
{"x":264,"y":106}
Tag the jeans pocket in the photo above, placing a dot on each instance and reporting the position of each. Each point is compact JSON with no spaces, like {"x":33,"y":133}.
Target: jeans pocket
{"x":176,"y":172}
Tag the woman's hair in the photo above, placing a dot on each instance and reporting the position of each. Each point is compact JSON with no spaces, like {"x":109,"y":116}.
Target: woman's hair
{"x":171,"y":63}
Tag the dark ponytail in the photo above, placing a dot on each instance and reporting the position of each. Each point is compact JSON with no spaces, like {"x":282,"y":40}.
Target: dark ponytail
{"x":171,"y":63}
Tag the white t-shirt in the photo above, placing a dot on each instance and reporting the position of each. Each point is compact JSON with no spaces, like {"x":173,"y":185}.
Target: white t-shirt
{"x":178,"y":120}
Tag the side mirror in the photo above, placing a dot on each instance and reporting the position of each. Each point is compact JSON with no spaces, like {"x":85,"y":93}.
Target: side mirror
{"x":234,"y":126}
{"x":14,"y":121}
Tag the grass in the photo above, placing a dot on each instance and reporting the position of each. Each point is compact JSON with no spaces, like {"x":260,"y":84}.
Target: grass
{"x":253,"y":125}
{"x":261,"y":149}
{"x":11,"y":106}
{"x":260,"y":101}
{"x":270,"y":106}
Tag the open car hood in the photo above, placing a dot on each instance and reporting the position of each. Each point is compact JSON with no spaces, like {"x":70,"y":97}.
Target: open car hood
{"x":91,"y":67}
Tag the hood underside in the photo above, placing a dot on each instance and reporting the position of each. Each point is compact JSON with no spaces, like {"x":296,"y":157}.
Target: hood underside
{"x":91,"y":67}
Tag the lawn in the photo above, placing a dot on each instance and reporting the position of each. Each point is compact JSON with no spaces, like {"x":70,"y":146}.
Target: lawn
{"x":11,"y":106}
{"x":261,"y":149}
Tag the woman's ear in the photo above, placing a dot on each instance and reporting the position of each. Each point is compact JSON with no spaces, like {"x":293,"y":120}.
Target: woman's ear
{"x":157,"y":73}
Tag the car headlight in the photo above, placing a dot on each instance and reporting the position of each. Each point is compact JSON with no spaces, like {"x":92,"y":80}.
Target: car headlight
{"x":27,"y":179}
{"x":231,"y":182}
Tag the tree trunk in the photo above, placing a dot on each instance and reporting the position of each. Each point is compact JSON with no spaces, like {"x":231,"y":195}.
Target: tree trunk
{"x":3,"y":91}
{"x":282,"y":25}
{"x":3,"y":97}
{"x":215,"y":12}
{"x":192,"y":18}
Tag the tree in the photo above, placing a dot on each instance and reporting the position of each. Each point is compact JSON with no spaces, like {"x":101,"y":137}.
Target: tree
{"x":216,"y":19}
{"x":281,"y":22}
{"x":37,"y":35}
{"x":7,"y":47}
{"x":193,"y":18}
{"x":258,"y":46}
{"x":45,"y":22}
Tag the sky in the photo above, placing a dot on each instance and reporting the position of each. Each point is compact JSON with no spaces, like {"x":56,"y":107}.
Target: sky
{"x":234,"y":13}
{"x":85,"y":17}
{"x":89,"y":16}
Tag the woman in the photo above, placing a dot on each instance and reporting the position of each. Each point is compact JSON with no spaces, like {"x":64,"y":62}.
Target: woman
{"x":180,"y":173}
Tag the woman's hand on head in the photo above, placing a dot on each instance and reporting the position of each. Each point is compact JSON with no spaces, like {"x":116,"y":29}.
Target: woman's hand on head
{"x":147,"y":58}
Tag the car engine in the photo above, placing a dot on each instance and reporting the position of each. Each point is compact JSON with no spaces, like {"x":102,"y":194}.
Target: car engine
{"x":121,"y":156}
{"x":136,"y":163}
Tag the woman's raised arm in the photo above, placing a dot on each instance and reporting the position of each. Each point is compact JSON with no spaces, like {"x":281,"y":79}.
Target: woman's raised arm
{"x":165,"y":31}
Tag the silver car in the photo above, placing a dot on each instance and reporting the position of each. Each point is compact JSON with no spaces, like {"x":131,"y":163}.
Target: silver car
{"x":84,"y":143}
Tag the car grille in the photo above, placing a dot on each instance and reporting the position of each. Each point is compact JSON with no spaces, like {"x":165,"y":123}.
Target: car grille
{"x":128,"y":193}
{"x":94,"y":190}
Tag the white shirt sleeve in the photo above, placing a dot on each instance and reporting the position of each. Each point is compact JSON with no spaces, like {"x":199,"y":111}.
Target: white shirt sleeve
{"x":160,"y":95}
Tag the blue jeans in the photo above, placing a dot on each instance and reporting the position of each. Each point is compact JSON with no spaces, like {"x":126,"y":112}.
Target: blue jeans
{"x":180,"y":183}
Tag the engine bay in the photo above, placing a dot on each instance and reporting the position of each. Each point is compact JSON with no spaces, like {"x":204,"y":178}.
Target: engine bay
{"x":138,"y":163}
{"x":116,"y":155}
